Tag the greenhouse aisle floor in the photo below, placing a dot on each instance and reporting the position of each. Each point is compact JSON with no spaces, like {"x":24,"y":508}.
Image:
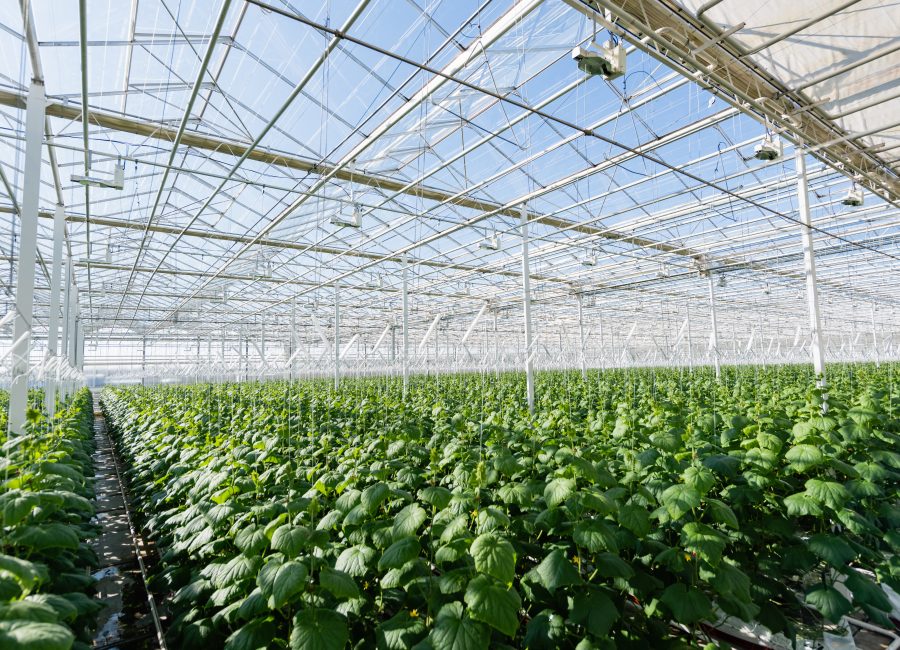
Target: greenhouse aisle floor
{"x":125,"y":621}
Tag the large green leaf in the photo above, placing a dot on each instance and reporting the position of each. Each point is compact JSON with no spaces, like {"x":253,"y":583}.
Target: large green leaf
{"x":688,"y":604}
{"x":255,"y":635}
{"x":281,"y":582}
{"x":635,"y":518}
{"x":832,"y":549}
{"x":15,"y":505}
{"x":493,"y":603}
{"x":290,"y":540}
{"x":558,"y":490}
{"x":400,"y":632}
{"x":595,"y":536}
{"x":699,"y":478}
{"x":829,"y":601}
{"x":679,"y":499}
{"x":399,"y":553}
{"x":454,"y":629}
{"x":340,"y":584}
{"x":251,"y":540}
{"x":43,"y":537}
{"x":866,"y":592}
{"x":804,"y":457}
{"x":319,"y":629}
{"x":494,"y":556}
{"x":355,"y":560}
{"x":28,"y":635}
{"x":722,"y":514}
{"x":436,"y":495}
{"x":593,"y":610}
{"x":801,"y":504}
{"x":827,"y":493}
{"x":237,"y":569}
{"x":556,"y":571}
{"x":28,"y":574}
{"x":373,"y":496}
{"x":408,"y":520}
{"x":704,"y":541}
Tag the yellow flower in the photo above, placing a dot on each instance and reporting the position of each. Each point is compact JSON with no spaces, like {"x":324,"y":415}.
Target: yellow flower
{"x":414,"y":613}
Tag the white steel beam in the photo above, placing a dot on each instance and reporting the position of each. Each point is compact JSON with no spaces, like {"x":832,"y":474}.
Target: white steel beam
{"x":809,"y":267}
{"x":526,"y":312}
{"x":581,"y":336}
{"x":405,"y":329}
{"x":337,"y":336}
{"x":34,"y":129}
{"x":713,"y":324}
{"x":59,"y":225}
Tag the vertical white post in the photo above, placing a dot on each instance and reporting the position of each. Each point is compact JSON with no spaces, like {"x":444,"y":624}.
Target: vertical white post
{"x":496,"y":346}
{"x":874,"y":338}
{"x":690,"y":342}
{"x":337,"y":337}
{"x":66,"y":318}
{"x":79,"y":351}
{"x":526,"y":311}
{"x":714,"y":335}
{"x":34,"y":131}
{"x":405,"y":328}
{"x":53,"y":321}
{"x":581,"y":336}
{"x":144,"y":359}
{"x":809,"y":263}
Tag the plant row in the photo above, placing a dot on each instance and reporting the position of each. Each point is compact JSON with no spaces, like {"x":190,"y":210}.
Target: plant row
{"x":45,"y":525}
{"x":630,"y":510}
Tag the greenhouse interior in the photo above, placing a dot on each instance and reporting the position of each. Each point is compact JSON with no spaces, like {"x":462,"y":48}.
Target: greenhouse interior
{"x":450,"y":325}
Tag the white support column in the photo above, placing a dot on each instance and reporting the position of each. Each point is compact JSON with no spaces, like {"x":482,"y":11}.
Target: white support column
{"x":714,"y":334}
{"x":809,"y":264}
{"x":405,"y":359}
{"x":581,"y":336}
{"x":144,"y":358}
{"x":496,"y":347}
{"x":34,"y":132}
{"x":53,"y":319}
{"x":64,"y":340}
{"x":337,"y":337}
{"x":526,"y":312}
{"x":79,"y":351}
{"x":874,"y":338}
{"x":690,"y":342}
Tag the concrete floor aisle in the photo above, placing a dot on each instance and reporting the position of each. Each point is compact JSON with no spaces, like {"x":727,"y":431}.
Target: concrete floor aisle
{"x":126,"y":621}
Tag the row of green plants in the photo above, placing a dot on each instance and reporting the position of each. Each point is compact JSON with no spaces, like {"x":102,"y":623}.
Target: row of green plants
{"x":630,"y":510}
{"x":45,"y":526}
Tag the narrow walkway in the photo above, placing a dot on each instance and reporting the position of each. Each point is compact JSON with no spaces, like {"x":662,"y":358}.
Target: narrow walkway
{"x":126,"y":621}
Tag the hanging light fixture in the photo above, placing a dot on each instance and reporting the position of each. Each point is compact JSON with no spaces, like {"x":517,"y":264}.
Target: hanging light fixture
{"x":854,"y":196}
{"x":93,"y":179}
{"x":491,"y":243}
{"x":769,"y":148}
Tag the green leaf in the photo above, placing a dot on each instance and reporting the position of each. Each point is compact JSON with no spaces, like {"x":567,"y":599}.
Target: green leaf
{"x":688,"y":605}
{"x":703,"y":540}
{"x":238,"y":568}
{"x":801,"y":504}
{"x":832,"y":549}
{"x":27,"y":610}
{"x":493,"y":603}
{"x":455,"y":630}
{"x":27,"y":635}
{"x":804,"y":457}
{"x":28,"y":574}
{"x":45,"y":536}
{"x":281,"y":582}
{"x":636,"y":519}
{"x":340,"y":584}
{"x":699,"y":478}
{"x":251,"y":540}
{"x":15,"y":505}
{"x":373,"y":496}
{"x":867,"y":592}
{"x":679,"y":499}
{"x":722,"y":514}
{"x":556,"y":571}
{"x":437,"y":496}
{"x":828,"y":493}
{"x":400,"y":632}
{"x":399,"y":553}
{"x":558,"y":490}
{"x":319,"y":629}
{"x":593,"y":610}
{"x":595,"y":536}
{"x":408,"y":520}
{"x":255,"y":635}
{"x":612,"y":566}
{"x":290,"y":540}
{"x":494,"y":556}
{"x":354,"y":561}
{"x":829,"y":601}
